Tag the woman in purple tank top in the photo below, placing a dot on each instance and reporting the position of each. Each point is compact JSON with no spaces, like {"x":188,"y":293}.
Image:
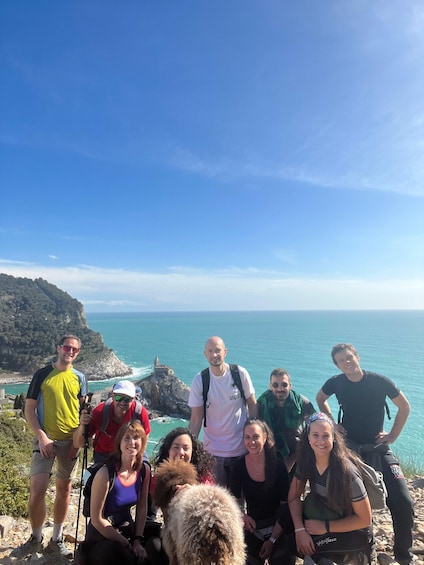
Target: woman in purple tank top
{"x":112,"y":534}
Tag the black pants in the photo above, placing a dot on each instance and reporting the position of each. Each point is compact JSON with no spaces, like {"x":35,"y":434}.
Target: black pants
{"x":280,"y":551}
{"x":399,"y":502}
{"x":155,"y":552}
{"x":96,"y":549}
{"x":110,"y":552}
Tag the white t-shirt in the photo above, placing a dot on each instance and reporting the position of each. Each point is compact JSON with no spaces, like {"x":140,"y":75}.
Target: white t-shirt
{"x":226,"y":411}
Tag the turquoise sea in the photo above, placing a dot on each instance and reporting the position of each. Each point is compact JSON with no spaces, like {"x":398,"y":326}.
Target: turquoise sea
{"x":388,"y":342}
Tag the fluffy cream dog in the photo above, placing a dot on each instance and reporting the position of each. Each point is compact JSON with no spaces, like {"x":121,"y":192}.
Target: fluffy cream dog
{"x":202,"y":523}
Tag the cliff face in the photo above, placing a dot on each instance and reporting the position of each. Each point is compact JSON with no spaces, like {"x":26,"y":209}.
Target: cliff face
{"x":34,"y":314}
{"x":165,"y":394}
{"x":106,"y":366}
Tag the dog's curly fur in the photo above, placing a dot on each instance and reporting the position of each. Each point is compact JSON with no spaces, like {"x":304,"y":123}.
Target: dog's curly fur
{"x":203,"y":523}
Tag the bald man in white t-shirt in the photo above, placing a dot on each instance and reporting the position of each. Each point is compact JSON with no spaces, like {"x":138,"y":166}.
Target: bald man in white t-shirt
{"x":226,"y":410}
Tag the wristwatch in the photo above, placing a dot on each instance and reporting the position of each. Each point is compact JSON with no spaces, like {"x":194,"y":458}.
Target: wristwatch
{"x":272,"y":539}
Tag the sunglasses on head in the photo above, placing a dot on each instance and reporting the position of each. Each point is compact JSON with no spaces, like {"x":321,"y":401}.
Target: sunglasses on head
{"x":70,"y":349}
{"x":319,"y":417}
{"x":120,"y":398}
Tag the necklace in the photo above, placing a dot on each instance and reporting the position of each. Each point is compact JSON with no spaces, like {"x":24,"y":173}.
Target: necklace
{"x":256,"y":468}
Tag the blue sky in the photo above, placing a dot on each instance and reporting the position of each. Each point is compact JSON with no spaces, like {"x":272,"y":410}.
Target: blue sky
{"x":215,"y":155}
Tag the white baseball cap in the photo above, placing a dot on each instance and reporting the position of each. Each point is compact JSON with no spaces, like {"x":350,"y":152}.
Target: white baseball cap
{"x":124,"y":387}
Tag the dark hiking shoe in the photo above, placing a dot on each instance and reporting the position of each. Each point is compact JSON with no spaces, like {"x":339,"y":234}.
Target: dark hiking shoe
{"x":58,"y":548}
{"x":28,"y":548}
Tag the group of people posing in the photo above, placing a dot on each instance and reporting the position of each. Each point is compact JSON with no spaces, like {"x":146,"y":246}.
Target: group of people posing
{"x":296,"y":472}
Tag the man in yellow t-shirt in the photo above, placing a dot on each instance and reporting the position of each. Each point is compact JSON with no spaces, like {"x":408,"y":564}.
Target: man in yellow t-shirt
{"x":54,"y":398}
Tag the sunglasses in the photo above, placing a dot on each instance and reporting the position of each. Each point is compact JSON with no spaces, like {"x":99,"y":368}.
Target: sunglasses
{"x":120,"y":398}
{"x":70,"y":349}
{"x":319,"y":417}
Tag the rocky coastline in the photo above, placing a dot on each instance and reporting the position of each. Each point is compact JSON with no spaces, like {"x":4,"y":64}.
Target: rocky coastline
{"x":163,"y":393}
{"x":108,"y":366}
{"x":14,"y":378}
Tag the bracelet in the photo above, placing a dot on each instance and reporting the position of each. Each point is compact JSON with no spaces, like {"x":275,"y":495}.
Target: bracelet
{"x":139,"y":538}
{"x":327,"y":526}
{"x":272,"y":539}
{"x":299,"y":530}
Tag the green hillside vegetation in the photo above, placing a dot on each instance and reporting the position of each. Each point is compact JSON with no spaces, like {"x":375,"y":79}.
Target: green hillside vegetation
{"x":15,"y":459}
{"x":34,"y":314}
{"x":15,"y":456}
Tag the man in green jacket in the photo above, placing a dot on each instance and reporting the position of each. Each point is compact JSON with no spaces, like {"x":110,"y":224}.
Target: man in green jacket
{"x":284,"y":410}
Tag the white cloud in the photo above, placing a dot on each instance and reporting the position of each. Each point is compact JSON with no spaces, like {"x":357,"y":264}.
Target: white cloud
{"x":186,"y":160}
{"x":190,"y":289}
{"x":284,"y":255}
{"x":394,"y":168}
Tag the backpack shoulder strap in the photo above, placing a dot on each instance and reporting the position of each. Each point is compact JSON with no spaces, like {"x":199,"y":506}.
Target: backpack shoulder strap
{"x":138,"y":409}
{"x":105,"y":414}
{"x":206,"y":380}
{"x":235,"y":373}
{"x":339,"y":415}
{"x":105,"y":419}
{"x":112,"y":474}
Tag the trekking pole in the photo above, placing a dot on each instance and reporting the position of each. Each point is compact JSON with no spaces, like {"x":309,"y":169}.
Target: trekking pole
{"x":83,"y":467}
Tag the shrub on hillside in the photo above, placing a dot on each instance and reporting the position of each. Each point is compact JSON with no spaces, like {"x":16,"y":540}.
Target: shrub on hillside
{"x":15,"y":456}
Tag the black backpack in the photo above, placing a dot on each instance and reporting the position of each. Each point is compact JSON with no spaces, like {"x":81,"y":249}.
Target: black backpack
{"x":206,"y":380}
{"x":92,"y":470}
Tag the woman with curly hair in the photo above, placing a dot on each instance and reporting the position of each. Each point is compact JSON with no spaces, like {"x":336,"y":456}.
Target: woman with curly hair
{"x":333,"y":523}
{"x":180,"y":443}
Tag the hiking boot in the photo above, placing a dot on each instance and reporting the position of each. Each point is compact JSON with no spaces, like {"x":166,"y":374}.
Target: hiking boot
{"x":58,"y":548}
{"x":28,"y":548}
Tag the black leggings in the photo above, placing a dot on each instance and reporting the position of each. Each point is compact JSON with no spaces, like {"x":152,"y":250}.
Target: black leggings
{"x":109,"y":552}
{"x":280,"y":552}
{"x":96,"y":549}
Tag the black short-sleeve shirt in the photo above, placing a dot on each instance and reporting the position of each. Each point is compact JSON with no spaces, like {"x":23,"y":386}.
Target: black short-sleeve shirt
{"x":363,"y":403}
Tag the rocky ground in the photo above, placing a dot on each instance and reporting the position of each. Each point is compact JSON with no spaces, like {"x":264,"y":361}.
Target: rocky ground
{"x":18,"y":531}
